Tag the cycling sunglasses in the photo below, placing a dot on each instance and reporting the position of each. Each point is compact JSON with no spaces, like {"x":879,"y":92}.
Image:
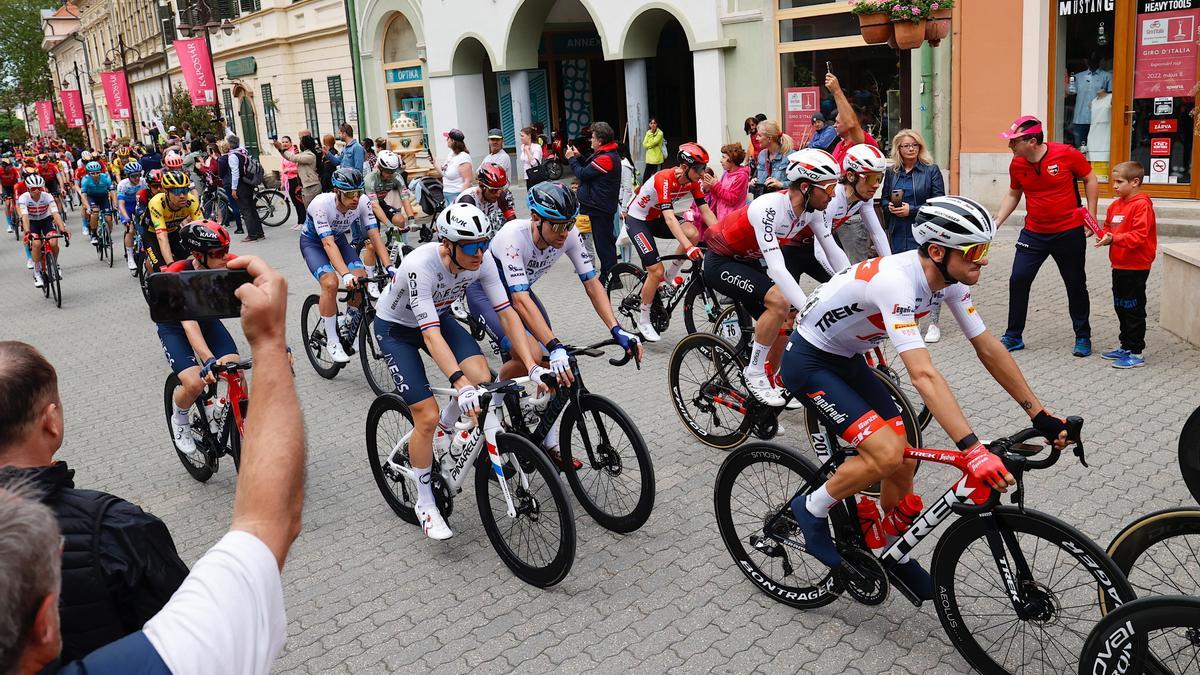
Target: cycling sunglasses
{"x":475,"y":247}
{"x":178,"y":192}
{"x":829,"y":188}
{"x":560,"y":226}
{"x":975,"y":252}
{"x":350,"y":194}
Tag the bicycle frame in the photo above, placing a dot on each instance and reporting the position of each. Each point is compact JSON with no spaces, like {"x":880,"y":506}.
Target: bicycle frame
{"x":237,"y":393}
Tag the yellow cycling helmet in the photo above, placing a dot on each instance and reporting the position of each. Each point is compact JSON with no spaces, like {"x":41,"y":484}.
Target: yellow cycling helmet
{"x":122,"y":151}
{"x":176,"y":179}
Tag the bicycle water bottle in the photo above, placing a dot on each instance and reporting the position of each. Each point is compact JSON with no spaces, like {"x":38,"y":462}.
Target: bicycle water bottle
{"x":899,"y":519}
{"x":212,"y":412}
{"x":869,"y":520}
{"x":463,"y":441}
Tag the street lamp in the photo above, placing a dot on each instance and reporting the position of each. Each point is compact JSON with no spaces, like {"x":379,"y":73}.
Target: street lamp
{"x":120,"y":51}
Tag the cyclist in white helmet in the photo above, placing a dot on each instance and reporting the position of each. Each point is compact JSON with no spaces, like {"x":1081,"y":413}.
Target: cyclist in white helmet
{"x":863,"y":167}
{"x":882,"y":299}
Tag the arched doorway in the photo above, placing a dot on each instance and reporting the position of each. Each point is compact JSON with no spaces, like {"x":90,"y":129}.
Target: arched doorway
{"x":403,"y":71}
{"x":670,"y":78}
{"x":247,"y":122}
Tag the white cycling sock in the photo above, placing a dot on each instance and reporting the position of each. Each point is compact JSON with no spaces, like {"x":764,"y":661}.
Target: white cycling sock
{"x":424,"y":487}
{"x":181,"y":414}
{"x":820,"y":502}
{"x":645,"y":315}
{"x":551,"y":440}
{"x":758,"y":359}
{"x":129,"y":251}
{"x":331,"y":331}
{"x":673,"y":268}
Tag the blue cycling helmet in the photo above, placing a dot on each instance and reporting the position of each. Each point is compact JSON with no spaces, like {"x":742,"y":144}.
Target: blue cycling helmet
{"x":132,"y":169}
{"x":93,"y":167}
{"x":346,"y":178}
{"x":553,"y":201}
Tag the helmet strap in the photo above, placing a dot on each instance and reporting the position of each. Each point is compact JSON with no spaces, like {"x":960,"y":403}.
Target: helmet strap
{"x":806,"y":190}
{"x":454,"y":256}
{"x":944,"y":266}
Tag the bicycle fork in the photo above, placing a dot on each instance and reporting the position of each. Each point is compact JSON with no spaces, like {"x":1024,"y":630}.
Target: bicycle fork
{"x":491,"y":428}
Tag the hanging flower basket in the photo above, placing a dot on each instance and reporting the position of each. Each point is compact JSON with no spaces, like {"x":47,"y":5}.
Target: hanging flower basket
{"x":876,"y":28}
{"x":909,"y":34}
{"x":937,"y":26}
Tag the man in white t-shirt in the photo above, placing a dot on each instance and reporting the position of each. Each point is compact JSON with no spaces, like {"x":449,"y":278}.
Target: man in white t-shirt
{"x":496,"y":152}
{"x":228,"y":616}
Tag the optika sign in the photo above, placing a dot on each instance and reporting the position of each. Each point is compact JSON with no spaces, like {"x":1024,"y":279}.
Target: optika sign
{"x":1074,"y":7}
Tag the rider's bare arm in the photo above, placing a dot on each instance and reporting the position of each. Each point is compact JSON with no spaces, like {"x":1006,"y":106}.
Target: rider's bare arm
{"x":1000,"y":363}
{"x":935,"y":392}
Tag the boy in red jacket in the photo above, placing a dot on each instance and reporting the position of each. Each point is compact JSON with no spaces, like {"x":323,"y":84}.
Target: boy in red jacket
{"x":1131,"y":234}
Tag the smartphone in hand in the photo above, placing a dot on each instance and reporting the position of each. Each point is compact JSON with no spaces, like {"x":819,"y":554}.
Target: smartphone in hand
{"x":896,"y":198}
{"x":195,"y":295}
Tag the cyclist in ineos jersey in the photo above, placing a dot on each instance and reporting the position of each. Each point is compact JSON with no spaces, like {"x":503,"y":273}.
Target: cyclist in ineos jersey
{"x":651,"y":214}
{"x":881,"y":299}
{"x":762,"y":233}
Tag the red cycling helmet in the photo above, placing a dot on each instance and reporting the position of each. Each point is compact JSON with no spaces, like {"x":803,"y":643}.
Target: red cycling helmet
{"x":155,"y":177}
{"x":492,"y":176}
{"x":205,"y":237}
{"x":173,"y":160}
{"x":691,"y":154}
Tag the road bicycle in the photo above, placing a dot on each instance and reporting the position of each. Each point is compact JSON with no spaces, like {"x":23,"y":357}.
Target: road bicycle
{"x":316,"y":342}
{"x":273,"y":206}
{"x":103,"y":234}
{"x":217,"y":418}
{"x":522,"y":506}
{"x":1159,"y":634}
{"x":49,"y":268}
{"x":1013,"y":584}
{"x":702,"y":307}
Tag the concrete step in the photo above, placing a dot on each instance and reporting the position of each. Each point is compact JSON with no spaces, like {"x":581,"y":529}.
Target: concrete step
{"x":1175,"y":217}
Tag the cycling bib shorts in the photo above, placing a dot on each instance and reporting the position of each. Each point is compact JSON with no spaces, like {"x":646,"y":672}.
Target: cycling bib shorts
{"x":98,"y":200}
{"x":643,"y":233}
{"x":178,"y":350}
{"x":402,"y":347}
{"x":318,"y":263}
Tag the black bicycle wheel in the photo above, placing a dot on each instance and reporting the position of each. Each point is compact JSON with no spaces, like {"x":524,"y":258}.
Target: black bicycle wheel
{"x":52,"y":278}
{"x":274,"y":207}
{"x":1160,"y":553}
{"x":625,"y":294}
{"x":312,"y":327}
{"x":389,"y":423}
{"x":234,"y":448}
{"x":616,"y":483}
{"x":538,"y":544}
{"x":1058,"y":573}
{"x":108,"y":245}
{"x":374,"y":363}
{"x":706,"y":388}
{"x":554,"y":170}
{"x":755,"y":482}
{"x":198,"y":422}
{"x":1189,"y":454}
{"x":1147,"y":635}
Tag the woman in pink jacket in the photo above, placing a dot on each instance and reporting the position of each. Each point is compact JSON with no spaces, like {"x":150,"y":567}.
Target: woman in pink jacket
{"x":729,"y":193}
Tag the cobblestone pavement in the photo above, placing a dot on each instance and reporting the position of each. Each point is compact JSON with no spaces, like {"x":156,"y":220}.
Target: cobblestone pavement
{"x":366,"y":593}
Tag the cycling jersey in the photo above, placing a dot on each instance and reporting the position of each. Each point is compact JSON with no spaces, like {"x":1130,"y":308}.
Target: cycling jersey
{"x":128,"y":194}
{"x":521,"y":262}
{"x":92,"y":185}
{"x":41,"y":209}
{"x":878,"y":299}
{"x":9,"y":177}
{"x":660,"y":194}
{"x":49,"y":171}
{"x":325,"y":219}
{"x":424,"y":288}
{"x":837,"y":213}
{"x":165,"y":219}
{"x":498,"y":212}
{"x":378,"y":188}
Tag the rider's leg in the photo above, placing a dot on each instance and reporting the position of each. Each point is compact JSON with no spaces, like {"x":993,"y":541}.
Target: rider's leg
{"x":766,"y":331}
{"x":689,"y":231}
{"x":655,"y":273}
{"x":328,"y":303}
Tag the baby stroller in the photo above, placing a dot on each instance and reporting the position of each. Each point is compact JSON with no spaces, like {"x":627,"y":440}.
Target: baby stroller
{"x":428,"y":191}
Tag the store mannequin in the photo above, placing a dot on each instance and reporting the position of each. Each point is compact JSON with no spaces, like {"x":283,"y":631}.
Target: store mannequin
{"x":1087,"y":84}
{"x":1100,"y":134}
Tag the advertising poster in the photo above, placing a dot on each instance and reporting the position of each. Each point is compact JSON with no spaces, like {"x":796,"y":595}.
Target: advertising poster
{"x":1165,"y":54}
{"x":72,"y":101}
{"x":800,"y":104}
{"x":116,"y":94}
{"x":45,"y":115}
{"x":196,"y":65}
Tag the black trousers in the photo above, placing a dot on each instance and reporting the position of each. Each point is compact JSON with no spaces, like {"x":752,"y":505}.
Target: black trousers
{"x":1129,"y":300}
{"x":1069,"y":250}
{"x":245,"y":202}
{"x":603,"y":237}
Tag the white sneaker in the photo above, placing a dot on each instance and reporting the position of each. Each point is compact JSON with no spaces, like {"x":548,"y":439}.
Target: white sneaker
{"x":28,"y":263}
{"x":37,"y":281}
{"x":933,"y":334}
{"x":432,"y":523}
{"x":132,"y":265}
{"x":182,"y":436}
{"x":648,"y":333}
{"x":336,"y":352}
{"x":761,"y":388}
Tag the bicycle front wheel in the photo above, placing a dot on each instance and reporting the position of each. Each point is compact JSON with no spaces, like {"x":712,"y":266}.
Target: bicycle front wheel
{"x":616,"y":483}
{"x":1160,"y":553}
{"x":53,"y":279}
{"x":274,"y":207}
{"x":1056,"y":574}
{"x":108,"y":245}
{"x":1147,"y":635}
{"x":1189,"y":454}
{"x":389,"y":424}
{"x":312,"y":327}
{"x":707,"y":391}
{"x":538,"y":544}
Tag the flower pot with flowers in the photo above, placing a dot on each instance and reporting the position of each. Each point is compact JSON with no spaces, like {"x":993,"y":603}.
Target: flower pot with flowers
{"x":874,"y":20}
{"x":937,"y":19}
{"x":908,"y":22}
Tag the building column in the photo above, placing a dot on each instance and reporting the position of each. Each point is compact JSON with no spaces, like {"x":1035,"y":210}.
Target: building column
{"x":522,"y":109}
{"x":709,"y":75}
{"x":457,"y":102}
{"x":637,"y":107}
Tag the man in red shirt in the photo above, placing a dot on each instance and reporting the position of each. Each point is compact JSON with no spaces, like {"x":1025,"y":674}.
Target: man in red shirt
{"x":1047,"y":175}
{"x":852,"y":235}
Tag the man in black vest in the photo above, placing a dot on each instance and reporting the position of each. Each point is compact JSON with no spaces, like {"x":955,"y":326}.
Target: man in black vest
{"x":599,"y":192}
{"x":119,"y":565}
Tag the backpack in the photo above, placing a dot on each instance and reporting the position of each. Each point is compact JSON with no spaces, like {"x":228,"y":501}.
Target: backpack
{"x":251,"y":171}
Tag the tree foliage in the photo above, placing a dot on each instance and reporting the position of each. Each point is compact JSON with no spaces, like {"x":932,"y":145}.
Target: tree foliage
{"x":24,"y":70}
{"x":179,"y":109}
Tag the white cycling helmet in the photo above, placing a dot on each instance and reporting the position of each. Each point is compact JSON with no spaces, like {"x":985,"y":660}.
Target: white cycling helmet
{"x":864,"y":158}
{"x":953,"y":221}
{"x":812,"y":165}
{"x":35,"y":182}
{"x":463,"y":222}
{"x":386,"y":159}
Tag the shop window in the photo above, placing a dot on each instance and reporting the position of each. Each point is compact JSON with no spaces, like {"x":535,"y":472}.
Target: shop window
{"x":310,"y":107}
{"x":793,"y":4}
{"x":337,"y":106}
{"x":268,"y":103}
{"x":817,"y":27}
{"x":1084,"y":80}
{"x":1164,"y":74}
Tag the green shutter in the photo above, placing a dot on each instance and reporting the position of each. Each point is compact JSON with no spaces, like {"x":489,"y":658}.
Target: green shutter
{"x":268,"y":103}
{"x":227,"y":97}
{"x":310,"y":107}
{"x":337,"y":105}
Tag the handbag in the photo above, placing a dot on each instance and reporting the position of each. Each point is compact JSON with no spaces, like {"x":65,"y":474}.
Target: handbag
{"x":536,"y":174}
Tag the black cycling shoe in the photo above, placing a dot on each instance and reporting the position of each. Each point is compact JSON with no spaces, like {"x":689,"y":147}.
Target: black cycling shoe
{"x":916,"y":578}
{"x":817,"y":541}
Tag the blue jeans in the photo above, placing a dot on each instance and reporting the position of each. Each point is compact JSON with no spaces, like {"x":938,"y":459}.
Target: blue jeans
{"x":902,"y":238}
{"x":235,"y":213}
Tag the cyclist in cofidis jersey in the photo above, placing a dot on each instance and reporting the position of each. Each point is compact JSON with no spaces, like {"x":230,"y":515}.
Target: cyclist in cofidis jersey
{"x":98,"y":192}
{"x":192,"y":348}
{"x":127,"y":193}
{"x":883,"y":299}
{"x":651,"y":214}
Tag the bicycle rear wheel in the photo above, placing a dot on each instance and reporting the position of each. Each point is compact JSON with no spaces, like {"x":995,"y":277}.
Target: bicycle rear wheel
{"x":1151,"y":635}
{"x":706,"y":312}
{"x":625,"y":294}
{"x":1189,"y":454}
{"x":705,"y":379}
{"x":1058,"y":573}
{"x":198,"y":422}
{"x":538,"y":544}
{"x":374,"y":363}
{"x":274,"y":207}
{"x":312,"y":327}
{"x":616,"y":483}
{"x":1160,"y":553}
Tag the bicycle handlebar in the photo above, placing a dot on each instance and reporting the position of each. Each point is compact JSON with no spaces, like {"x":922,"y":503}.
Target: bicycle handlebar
{"x":596,"y":351}
{"x":244,"y":364}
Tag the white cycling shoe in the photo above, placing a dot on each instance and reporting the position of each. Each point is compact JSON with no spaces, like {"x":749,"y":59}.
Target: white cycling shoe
{"x":28,"y":263}
{"x":132,"y":265}
{"x":37,"y":281}
{"x":648,"y":333}
{"x":182,"y":436}
{"x":336,"y":352}
{"x":933,"y":334}
{"x":761,"y":388}
{"x":432,"y":523}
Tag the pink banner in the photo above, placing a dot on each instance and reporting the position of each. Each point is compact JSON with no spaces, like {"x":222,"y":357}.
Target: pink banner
{"x":116,"y":93}
{"x":72,"y":101}
{"x":196,"y":65}
{"x":45,"y":115}
{"x":1166,"y":54}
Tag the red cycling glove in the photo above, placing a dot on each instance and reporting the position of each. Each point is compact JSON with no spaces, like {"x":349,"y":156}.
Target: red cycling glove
{"x":695,"y":253}
{"x":986,"y":467}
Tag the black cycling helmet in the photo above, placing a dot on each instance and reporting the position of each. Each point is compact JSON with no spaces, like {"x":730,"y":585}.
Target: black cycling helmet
{"x":553,"y":201}
{"x":346,"y":178}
